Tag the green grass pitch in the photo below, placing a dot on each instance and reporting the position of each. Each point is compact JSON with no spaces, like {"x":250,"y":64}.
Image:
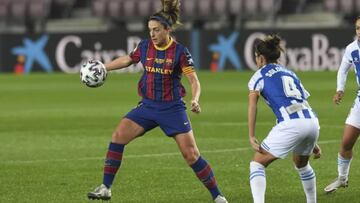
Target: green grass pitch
{"x":54,"y":133}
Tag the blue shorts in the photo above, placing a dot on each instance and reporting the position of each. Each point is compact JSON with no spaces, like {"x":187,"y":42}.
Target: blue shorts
{"x":170,"y":116}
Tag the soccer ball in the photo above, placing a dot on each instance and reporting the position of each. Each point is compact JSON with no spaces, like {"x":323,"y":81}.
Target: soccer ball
{"x":93,"y":73}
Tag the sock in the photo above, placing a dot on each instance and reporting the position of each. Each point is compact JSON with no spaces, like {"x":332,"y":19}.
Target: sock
{"x":308,"y":180}
{"x":205,"y":174}
{"x":257,"y":182}
{"x":112,"y":163}
{"x":343,"y":167}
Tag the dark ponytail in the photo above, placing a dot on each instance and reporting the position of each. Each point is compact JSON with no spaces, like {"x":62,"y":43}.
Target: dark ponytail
{"x":269,"y":47}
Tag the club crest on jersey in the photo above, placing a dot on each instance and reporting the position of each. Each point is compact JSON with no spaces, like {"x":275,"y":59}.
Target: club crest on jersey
{"x":169,"y":61}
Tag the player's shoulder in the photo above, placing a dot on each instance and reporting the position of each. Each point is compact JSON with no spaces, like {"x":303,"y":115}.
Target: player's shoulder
{"x":352,"y":46}
{"x":181,"y":47}
{"x":257,"y":75}
{"x":144,"y":42}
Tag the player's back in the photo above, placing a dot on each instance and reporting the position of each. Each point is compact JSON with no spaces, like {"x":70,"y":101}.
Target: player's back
{"x":284,"y":93}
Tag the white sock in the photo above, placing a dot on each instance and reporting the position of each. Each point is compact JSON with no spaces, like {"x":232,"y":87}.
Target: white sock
{"x":343,"y":167}
{"x":257,"y":181}
{"x":308,"y":180}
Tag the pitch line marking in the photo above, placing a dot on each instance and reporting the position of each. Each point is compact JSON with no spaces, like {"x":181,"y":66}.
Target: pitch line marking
{"x":143,"y":155}
{"x":258,"y":124}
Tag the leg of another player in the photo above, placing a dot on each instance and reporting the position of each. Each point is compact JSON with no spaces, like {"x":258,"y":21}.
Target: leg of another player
{"x":187,"y":145}
{"x":258,"y":176}
{"x":350,"y":136}
{"x":307,"y":175}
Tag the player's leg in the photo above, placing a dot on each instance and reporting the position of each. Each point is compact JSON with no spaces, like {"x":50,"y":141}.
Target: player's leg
{"x":308,"y":134}
{"x":126,"y":131}
{"x":280,"y":141}
{"x":258,"y":176}
{"x":136,"y":123}
{"x":187,"y":145}
{"x":350,"y":136}
{"x":307,"y":176}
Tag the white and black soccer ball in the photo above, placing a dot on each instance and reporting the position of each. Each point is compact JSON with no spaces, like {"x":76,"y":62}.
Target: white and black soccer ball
{"x":93,"y":73}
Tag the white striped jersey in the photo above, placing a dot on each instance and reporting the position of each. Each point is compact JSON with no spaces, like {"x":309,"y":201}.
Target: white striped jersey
{"x":350,"y":57}
{"x":282,"y":91}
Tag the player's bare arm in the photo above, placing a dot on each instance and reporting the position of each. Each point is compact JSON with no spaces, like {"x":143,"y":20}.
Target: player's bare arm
{"x":120,"y":62}
{"x":196,"y":91}
{"x":252,"y":110}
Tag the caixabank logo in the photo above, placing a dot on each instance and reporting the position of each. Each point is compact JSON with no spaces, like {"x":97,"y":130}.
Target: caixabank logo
{"x":31,"y":52}
{"x":224,"y":50}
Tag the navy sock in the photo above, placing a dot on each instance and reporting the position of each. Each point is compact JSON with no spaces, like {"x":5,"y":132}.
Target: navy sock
{"x":112,"y":163}
{"x":205,"y":174}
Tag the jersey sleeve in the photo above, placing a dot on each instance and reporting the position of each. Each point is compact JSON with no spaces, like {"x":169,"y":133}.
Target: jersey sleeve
{"x":343,"y":71}
{"x":186,"y":62}
{"x":256,"y":83}
{"x":347,"y":55}
{"x":135,"y":55}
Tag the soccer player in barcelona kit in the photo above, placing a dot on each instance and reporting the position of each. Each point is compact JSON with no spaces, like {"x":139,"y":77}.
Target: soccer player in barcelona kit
{"x":352,"y":124}
{"x":164,"y":61}
{"x":297,"y":127}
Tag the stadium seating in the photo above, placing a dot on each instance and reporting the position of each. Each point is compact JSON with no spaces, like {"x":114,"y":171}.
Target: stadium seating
{"x":99,"y":8}
{"x":188,"y":9}
{"x":197,"y":12}
{"x":342,"y":6}
{"x":347,"y":6}
{"x":18,"y":10}
{"x":39,"y":9}
{"x":4,"y":10}
{"x":191,"y":10}
{"x":357,"y":5}
{"x":235,"y":7}
{"x":331,"y":5}
{"x":145,"y":8}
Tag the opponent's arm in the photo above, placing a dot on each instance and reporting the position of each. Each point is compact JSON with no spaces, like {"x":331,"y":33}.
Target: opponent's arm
{"x":252,"y":111}
{"x":341,"y":80}
{"x":195,"y":91}
{"x":120,"y":62}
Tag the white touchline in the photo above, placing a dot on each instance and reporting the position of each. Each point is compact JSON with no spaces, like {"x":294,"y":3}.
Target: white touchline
{"x":141,"y":155}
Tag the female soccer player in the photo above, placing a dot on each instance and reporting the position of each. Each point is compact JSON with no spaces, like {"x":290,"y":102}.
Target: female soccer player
{"x":352,"y":123}
{"x":164,"y":61}
{"x":297,"y":127}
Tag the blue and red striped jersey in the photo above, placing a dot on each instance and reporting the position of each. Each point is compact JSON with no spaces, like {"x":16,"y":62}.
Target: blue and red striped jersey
{"x":163,"y":68}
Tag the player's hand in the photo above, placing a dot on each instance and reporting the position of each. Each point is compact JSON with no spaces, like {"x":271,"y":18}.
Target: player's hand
{"x":255,"y":144}
{"x":195,"y":106}
{"x":317,"y":151}
{"x":338,"y":97}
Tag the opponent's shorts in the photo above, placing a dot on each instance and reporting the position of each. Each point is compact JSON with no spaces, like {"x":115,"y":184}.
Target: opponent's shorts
{"x":171,"y":117}
{"x":353,"y":118}
{"x":297,"y":135}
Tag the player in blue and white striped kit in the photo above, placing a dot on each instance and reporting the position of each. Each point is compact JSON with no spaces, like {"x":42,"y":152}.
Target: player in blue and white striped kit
{"x":352,"y":124}
{"x":297,"y":128}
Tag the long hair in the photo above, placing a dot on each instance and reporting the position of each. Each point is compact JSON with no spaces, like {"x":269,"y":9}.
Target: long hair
{"x":169,"y":14}
{"x":269,"y":47}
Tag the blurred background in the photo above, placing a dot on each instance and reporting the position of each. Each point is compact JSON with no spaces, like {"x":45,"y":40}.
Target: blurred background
{"x":56,"y":35}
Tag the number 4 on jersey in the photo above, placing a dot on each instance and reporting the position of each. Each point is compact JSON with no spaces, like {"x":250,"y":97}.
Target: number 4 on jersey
{"x":290,"y":88}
